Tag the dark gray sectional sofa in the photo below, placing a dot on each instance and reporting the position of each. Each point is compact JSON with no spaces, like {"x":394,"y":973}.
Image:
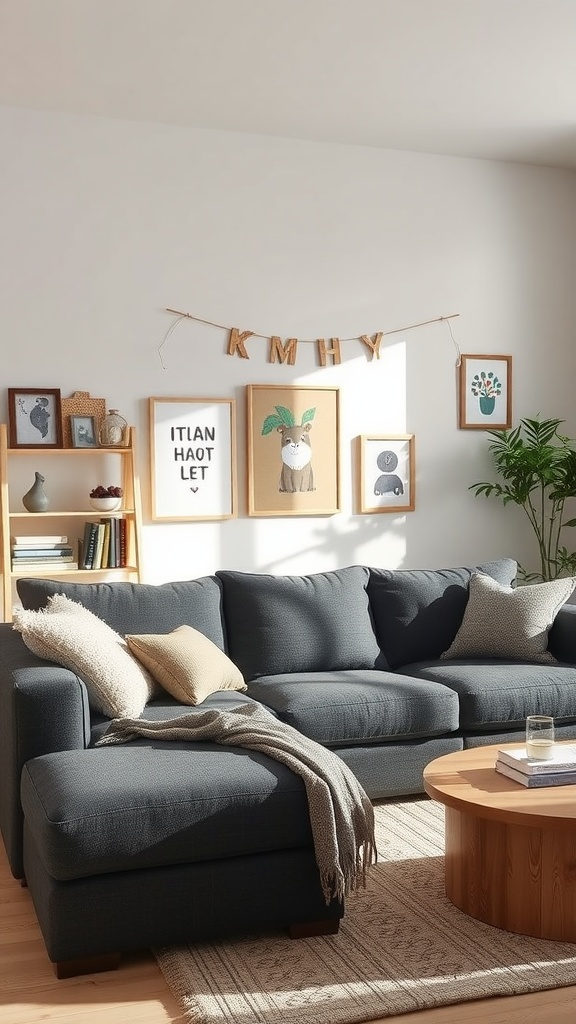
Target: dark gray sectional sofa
{"x":155,"y":843}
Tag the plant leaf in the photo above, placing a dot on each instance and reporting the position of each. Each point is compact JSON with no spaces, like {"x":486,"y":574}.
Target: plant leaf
{"x":286,"y":416}
{"x":271,"y":423}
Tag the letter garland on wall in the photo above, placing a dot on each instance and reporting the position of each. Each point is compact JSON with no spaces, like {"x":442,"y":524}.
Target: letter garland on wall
{"x":286,"y":351}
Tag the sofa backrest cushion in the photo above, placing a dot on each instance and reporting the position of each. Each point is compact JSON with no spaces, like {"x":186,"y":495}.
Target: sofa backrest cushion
{"x":417,"y":612}
{"x":139,"y":607}
{"x":279,"y":624}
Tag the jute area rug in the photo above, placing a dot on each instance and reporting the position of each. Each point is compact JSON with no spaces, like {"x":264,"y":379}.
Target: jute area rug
{"x":402,"y":946}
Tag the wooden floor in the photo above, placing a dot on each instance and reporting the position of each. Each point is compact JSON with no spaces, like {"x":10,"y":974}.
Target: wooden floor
{"x":137,"y":993}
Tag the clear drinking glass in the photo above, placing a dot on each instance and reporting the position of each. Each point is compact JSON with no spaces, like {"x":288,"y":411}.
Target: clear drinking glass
{"x":540,"y":737}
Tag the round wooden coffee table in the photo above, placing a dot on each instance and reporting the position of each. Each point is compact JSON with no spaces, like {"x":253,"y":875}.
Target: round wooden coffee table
{"x":510,"y":852}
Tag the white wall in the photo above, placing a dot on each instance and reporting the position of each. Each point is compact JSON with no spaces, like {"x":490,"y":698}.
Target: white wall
{"x":105,"y":223}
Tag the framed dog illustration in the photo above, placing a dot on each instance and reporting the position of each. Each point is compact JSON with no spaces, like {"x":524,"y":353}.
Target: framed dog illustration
{"x":293,"y":450}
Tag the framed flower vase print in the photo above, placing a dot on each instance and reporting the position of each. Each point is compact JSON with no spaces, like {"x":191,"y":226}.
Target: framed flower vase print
{"x":35,"y":417}
{"x":387,"y":473}
{"x":193,"y":458}
{"x":293,"y":450}
{"x":485,"y":392}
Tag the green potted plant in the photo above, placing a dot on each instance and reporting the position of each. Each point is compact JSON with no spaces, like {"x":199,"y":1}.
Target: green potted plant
{"x":537,"y":465}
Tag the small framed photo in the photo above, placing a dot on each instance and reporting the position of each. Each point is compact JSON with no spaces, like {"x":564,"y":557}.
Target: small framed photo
{"x":83,"y":432}
{"x":35,"y":417}
{"x":485,"y":392}
{"x":387,"y":473}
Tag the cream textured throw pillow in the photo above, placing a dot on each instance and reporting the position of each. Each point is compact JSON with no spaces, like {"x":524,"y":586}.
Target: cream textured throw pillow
{"x":68,"y":633}
{"x":500,"y":622}
{"x":186,"y":663}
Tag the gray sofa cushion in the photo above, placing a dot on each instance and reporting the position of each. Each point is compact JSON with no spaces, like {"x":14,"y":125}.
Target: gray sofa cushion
{"x":139,"y":607}
{"x":149,"y":804}
{"x":336,"y":708}
{"x":311,"y":623}
{"x":417,"y":612}
{"x":496,"y":694}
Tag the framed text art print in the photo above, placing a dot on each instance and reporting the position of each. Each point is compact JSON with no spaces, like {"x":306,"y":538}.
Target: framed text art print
{"x":387,"y":473}
{"x":293,"y":450}
{"x":35,"y":417}
{"x":485,"y":393}
{"x":193,"y":458}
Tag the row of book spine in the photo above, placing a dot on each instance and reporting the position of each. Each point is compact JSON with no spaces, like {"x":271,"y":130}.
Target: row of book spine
{"x":103,"y":545}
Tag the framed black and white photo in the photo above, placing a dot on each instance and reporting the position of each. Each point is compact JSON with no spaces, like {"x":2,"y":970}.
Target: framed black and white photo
{"x":35,"y":417}
{"x":387,"y":473}
{"x":193,"y":459}
{"x":83,"y":432}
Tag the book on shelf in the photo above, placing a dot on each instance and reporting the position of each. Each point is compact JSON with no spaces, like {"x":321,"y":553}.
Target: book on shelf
{"x":112,"y":547}
{"x":104,"y":559}
{"x":39,"y":559}
{"x":559,"y":778}
{"x":41,"y":552}
{"x":122,"y":562}
{"x":48,"y":540}
{"x":89,"y":544}
{"x":563,"y":759}
{"x":97,"y":560}
{"x":61,"y":565}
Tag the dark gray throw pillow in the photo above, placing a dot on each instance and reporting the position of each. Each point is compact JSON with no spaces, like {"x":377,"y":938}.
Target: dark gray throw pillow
{"x":139,"y":607}
{"x":417,"y":612}
{"x":279,"y":624}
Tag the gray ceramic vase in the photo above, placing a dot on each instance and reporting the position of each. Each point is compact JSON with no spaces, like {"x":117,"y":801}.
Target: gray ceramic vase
{"x":36,"y":500}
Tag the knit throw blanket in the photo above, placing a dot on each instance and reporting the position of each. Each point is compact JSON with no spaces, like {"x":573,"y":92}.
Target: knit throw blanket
{"x":341,"y":814}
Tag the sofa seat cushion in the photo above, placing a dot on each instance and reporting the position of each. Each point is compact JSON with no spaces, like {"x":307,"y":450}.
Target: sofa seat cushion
{"x":362,"y":706}
{"x":148,"y":804}
{"x":495,"y":693}
{"x":299,"y":623}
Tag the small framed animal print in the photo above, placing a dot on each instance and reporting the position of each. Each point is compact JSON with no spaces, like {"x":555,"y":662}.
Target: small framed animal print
{"x":293,"y":450}
{"x":387,"y":473}
{"x":35,"y":417}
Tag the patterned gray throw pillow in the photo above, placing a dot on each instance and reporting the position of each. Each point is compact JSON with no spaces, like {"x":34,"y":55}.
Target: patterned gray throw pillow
{"x":501,"y":622}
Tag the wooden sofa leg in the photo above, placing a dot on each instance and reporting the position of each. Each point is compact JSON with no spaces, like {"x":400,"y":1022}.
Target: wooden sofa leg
{"x":87,"y":965}
{"x":307,"y":929}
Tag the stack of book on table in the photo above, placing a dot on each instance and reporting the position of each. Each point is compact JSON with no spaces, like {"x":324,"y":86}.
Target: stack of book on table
{"x":33,"y":553}
{"x":560,"y":770}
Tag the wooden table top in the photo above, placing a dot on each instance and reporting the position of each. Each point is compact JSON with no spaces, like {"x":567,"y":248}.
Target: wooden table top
{"x":467,"y":781}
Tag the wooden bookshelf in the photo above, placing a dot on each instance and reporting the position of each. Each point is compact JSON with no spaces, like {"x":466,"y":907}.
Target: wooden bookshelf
{"x":83,"y":468}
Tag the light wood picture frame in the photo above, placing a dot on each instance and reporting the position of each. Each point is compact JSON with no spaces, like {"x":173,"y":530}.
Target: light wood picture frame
{"x":35,"y":417}
{"x":485,"y":392}
{"x":192,"y":459}
{"x":387,"y":473}
{"x":293,"y":447}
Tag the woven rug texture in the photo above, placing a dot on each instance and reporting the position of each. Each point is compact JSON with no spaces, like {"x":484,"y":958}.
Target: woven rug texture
{"x":402,"y":946}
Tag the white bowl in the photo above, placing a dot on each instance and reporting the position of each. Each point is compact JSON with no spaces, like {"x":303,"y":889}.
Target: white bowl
{"x":105,"y":504}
